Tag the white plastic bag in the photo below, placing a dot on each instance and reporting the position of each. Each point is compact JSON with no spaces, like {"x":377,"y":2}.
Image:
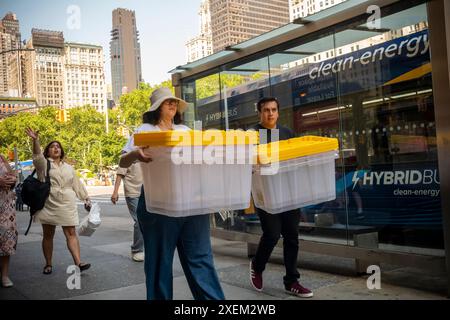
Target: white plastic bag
{"x":91,"y":222}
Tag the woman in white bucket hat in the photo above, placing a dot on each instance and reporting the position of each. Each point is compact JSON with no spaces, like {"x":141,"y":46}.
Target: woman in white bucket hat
{"x":164,"y":233}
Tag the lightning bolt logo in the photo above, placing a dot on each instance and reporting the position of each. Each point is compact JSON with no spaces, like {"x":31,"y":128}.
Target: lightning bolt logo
{"x":355,"y":179}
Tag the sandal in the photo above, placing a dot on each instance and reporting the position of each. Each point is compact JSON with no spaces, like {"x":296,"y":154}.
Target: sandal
{"x":47,"y":269}
{"x":84,"y":266}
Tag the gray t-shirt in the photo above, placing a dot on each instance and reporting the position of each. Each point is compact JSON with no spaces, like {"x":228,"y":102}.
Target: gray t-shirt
{"x":132,"y":180}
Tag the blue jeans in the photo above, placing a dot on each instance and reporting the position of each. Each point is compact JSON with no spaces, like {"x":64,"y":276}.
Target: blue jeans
{"x":191,"y":237}
{"x":138,"y":240}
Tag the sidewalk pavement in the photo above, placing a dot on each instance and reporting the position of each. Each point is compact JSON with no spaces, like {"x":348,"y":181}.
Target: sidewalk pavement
{"x":114,"y":275}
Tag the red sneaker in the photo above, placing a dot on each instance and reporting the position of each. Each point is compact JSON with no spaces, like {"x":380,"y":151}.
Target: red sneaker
{"x":256,"y":278}
{"x":298,"y":290}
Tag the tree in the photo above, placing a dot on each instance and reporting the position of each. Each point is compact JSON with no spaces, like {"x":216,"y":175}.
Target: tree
{"x":12,"y":130}
{"x":134,"y":104}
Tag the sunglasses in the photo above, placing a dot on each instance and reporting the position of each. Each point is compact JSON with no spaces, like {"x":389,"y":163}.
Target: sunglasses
{"x":172,"y":102}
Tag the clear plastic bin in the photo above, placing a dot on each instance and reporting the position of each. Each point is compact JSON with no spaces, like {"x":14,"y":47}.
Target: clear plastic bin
{"x":295,"y":183}
{"x":202,"y":186}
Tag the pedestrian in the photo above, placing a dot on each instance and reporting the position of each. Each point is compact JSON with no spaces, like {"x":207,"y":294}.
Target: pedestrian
{"x":19,"y":200}
{"x":8,"y":226}
{"x":60,"y":207}
{"x":113,"y":178}
{"x":285,"y":223}
{"x":164,"y":233}
{"x":132,"y":185}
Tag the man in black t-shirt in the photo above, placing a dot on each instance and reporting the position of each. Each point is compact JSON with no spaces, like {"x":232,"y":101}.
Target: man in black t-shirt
{"x":285,"y":223}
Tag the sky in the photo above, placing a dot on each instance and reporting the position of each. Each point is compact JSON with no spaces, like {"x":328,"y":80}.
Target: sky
{"x":164,"y":27}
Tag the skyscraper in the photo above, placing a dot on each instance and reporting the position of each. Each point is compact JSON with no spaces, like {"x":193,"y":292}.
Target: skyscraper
{"x":125,"y":53}
{"x":9,"y":39}
{"x":45,"y":67}
{"x":303,"y":8}
{"x":234,"y":21}
{"x":201,"y":45}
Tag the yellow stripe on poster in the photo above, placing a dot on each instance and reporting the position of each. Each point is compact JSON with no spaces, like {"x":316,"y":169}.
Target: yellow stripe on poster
{"x":413,"y":74}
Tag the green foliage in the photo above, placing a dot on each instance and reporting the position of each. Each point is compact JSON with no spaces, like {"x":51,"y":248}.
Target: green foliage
{"x":211,"y":85}
{"x":83,"y":138}
{"x":12,"y":130}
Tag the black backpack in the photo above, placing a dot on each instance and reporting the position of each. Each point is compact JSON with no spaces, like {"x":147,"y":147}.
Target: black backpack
{"x":34,"y":193}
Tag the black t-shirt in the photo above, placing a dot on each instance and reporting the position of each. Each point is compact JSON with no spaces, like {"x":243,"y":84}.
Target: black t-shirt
{"x":284,"y":133}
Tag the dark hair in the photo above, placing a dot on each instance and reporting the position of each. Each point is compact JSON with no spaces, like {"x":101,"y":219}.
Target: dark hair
{"x":47,"y":148}
{"x":263,"y":101}
{"x":153,"y":117}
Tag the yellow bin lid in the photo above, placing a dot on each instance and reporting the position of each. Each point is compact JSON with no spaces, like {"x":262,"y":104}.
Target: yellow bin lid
{"x":195,"y":138}
{"x":295,"y":148}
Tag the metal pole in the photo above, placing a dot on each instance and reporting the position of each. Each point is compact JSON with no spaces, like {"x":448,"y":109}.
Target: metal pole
{"x":16,"y":164}
{"x":19,"y":73}
{"x":226,"y":107}
{"x":439,"y":26}
{"x":107,"y":119}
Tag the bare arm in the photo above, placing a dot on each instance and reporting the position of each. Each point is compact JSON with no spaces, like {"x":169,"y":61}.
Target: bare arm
{"x":34,"y":135}
{"x":9,"y":179}
{"x":7,"y":182}
{"x":39,"y":161}
{"x":115,"y":195}
{"x":127,"y":159}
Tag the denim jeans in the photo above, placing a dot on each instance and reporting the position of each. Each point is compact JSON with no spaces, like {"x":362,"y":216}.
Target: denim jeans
{"x":191,"y":237}
{"x":286,"y":224}
{"x":138,"y":240}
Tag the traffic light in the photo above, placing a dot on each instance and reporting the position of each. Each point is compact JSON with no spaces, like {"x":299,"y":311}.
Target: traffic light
{"x":62,"y":115}
{"x":11,"y":155}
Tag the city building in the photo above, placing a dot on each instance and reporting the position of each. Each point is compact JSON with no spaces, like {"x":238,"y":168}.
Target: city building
{"x":303,"y":8}
{"x":10,"y":39}
{"x":16,"y":75}
{"x":378,"y":91}
{"x":198,"y":47}
{"x":84,"y":76}
{"x":109,"y":95}
{"x":234,"y":21}
{"x":125,"y":53}
{"x":5,"y":45}
{"x":44,"y":67}
{"x":201,"y":45}
{"x":13,"y":105}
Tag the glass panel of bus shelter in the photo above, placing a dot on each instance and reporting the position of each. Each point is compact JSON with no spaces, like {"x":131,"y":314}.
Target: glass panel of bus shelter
{"x":188,"y":94}
{"x":242,"y":86}
{"x":205,"y":99}
{"x":388,"y":131}
{"x":309,"y":106}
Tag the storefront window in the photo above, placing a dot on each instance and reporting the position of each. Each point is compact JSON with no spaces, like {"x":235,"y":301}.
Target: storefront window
{"x":387,"y":131}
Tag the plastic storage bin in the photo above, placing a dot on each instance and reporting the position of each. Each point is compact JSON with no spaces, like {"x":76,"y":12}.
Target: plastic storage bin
{"x":302,"y":173}
{"x":197,"y":172}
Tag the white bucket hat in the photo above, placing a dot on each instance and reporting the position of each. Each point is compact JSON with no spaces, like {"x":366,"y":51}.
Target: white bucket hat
{"x":160,"y":95}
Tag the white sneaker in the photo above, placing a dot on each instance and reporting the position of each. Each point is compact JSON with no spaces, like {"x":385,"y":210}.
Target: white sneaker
{"x":7,"y":283}
{"x":138,"y":256}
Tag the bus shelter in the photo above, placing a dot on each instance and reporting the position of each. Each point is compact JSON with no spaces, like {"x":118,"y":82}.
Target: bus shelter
{"x":374,"y":75}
